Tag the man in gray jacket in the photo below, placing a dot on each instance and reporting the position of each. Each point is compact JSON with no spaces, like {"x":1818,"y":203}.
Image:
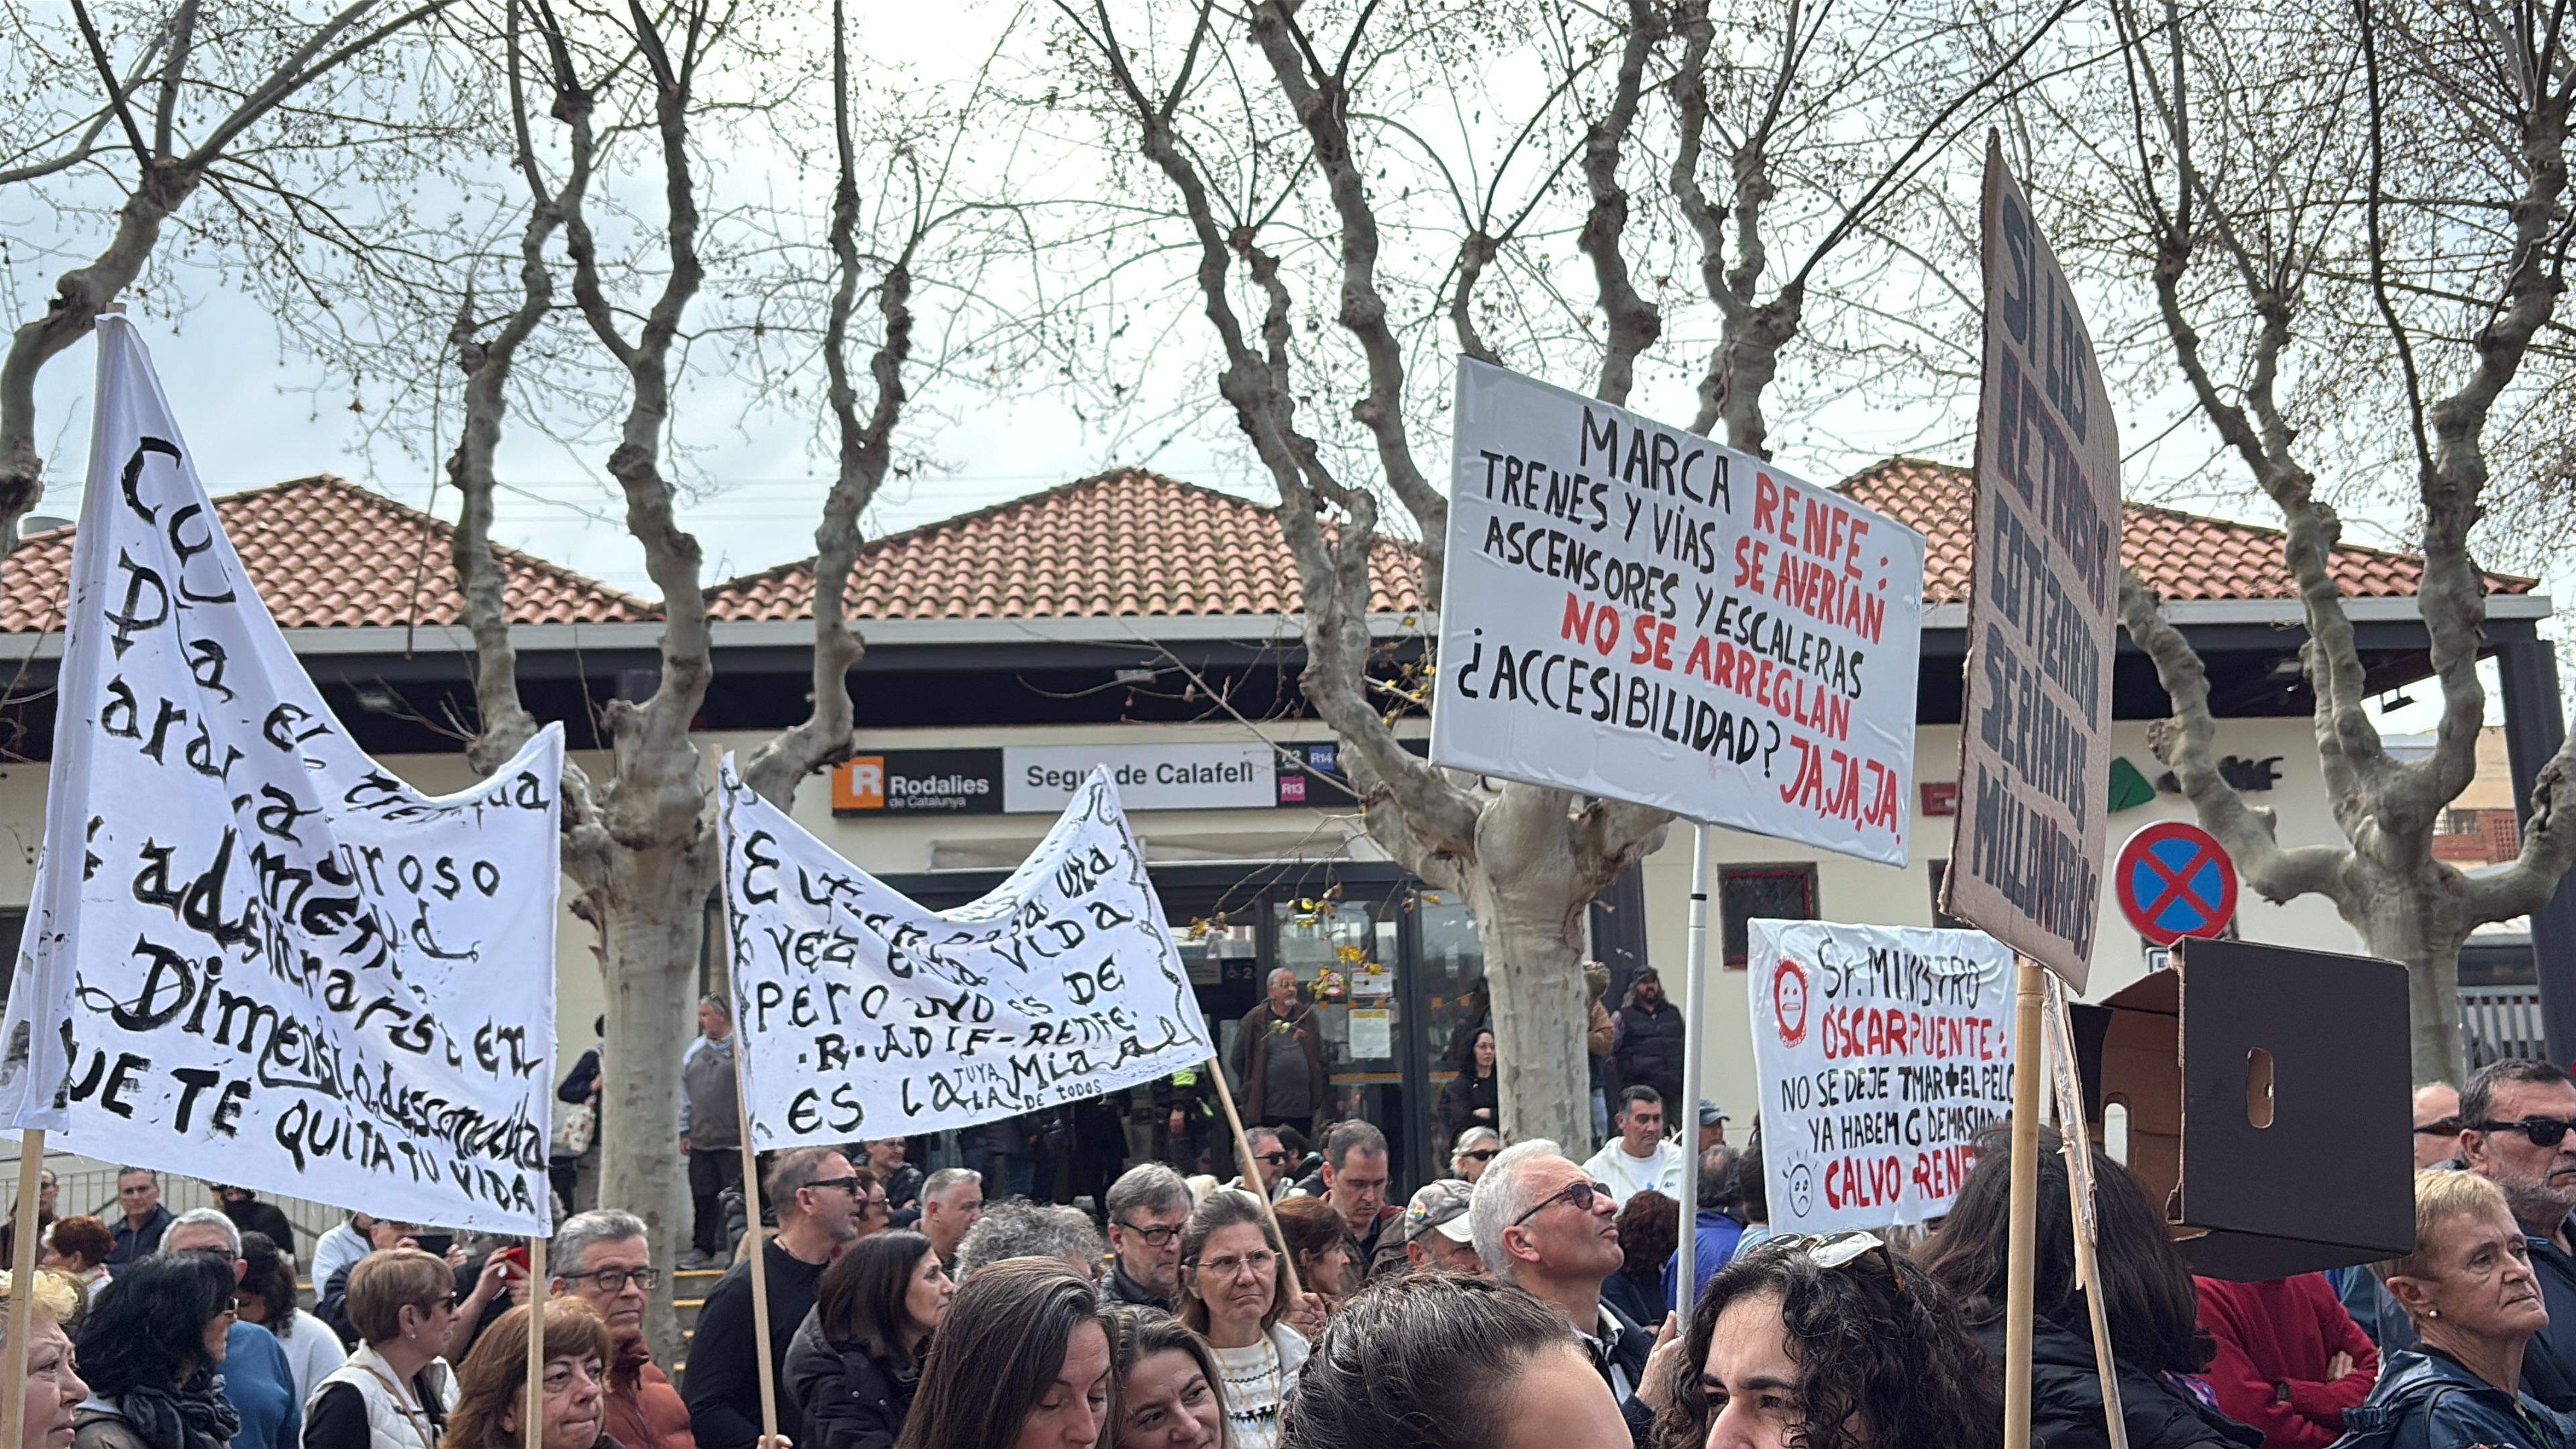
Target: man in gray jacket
{"x":710,"y":1131}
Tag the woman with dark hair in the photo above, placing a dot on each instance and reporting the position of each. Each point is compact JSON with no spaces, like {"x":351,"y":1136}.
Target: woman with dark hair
{"x":1319,"y":1245}
{"x":1650,"y":1228}
{"x":1168,"y":1385}
{"x":1444,"y":1361}
{"x":1022,"y":1361}
{"x":151,"y":1350}
{"x":1831,"y":1343}
{"x":1468,"y":1100}
{"x":1234,"y":1291}
{"x":268,"y":1298}
{"x":493,"y":1383}
{"x":856,"y":1358}
{"x":2147,"y":1295}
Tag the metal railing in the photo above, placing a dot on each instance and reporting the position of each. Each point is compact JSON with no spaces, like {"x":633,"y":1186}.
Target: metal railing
{"x":2497,"y":1022}
{"x":85,"y":1185}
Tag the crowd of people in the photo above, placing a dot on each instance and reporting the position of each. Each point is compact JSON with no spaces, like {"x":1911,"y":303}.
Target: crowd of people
{"x":1307,"y":1300}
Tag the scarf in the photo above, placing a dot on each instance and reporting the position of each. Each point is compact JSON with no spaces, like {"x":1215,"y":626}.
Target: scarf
{"x":198,"y":1417}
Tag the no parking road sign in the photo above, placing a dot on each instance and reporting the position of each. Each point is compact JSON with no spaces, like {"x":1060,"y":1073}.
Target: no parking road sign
{"x":2174,"y":880}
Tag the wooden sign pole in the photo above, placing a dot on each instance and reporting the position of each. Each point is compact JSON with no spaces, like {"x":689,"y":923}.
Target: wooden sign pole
{"x":2023,"y":1239}
{"x":753,"y":1238}
{"x":22,"y":1268}
{"x":535,"y":1417}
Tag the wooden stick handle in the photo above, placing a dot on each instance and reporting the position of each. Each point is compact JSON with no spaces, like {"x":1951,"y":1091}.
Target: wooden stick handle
{"x":2023,"y":1238}
{"x":1252,"y":1174}
{"x":535,"y":1417}
{"x":22,"y":1286}
{"x":753,"y":1238}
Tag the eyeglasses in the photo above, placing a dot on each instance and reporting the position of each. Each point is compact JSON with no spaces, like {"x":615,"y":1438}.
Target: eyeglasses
{"x":1580,"y":1194}
{"x":1481,"y":1154}
{"x":849,"y":1184}
{"x":2440,"y":1127}
{"x":1271,"y":1159}
{"x":877,"y":1206}
{"x":614,"y":1280}
{"x":1261,"y":1263}
{"x":2543,"y":1131}
{"x":1154,"y":1237}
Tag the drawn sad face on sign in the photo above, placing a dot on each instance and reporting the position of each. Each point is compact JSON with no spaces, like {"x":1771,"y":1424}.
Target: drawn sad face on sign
{"x":1789,"y":1001}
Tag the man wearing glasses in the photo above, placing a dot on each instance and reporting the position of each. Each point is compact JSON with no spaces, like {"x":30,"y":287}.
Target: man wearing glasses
{"x":818,"y":1196}
{"x":602,"y":1258}
{"x":2437,"y":1125}
{"x":2515,"y":1118}
{"x":1146,"y":1207}
{"x":1544,"y":1225}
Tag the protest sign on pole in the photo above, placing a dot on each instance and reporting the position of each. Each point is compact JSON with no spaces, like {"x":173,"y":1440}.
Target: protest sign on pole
{"x":253,"y":954}
{"x":1634,"y":611}
{"x":1881,"y":1053}
{"x":866,"y":1014}
{"x":2034,"y":763}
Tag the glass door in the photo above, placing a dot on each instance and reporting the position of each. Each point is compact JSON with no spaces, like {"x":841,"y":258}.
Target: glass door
{"x":1346,"y":956}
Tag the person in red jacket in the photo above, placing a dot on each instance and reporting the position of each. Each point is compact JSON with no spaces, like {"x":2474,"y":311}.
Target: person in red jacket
{"x":2289,"y":1359}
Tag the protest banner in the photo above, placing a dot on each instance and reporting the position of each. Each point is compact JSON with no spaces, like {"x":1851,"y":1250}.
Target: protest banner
{"x":1881,"y":1053}
{"x":1634,"y":611}
{"x":253,"y":955}
{"x":2034,"y":766}
{"x":866,"y":1014}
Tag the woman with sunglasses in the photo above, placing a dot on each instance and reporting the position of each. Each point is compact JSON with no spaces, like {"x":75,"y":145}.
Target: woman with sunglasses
{"x":1831,"y":1343}
{"x":1474,"y":1151}
{"x":856,"y":1359}
{"x":396,"y":1391}
{"x":1234,"y":1292}
{"x":152,"y":1349}
{"x":2153,"y":1311}
{"x":2469,"y":1290}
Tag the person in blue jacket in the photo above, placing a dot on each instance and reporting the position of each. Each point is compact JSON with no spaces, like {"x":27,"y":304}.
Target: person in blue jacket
{"x":2469,"y":1291}
{"x":1721,"y":1222}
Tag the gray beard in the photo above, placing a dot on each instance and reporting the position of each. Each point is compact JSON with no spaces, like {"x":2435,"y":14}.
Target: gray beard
{"x":2539,"y":1208}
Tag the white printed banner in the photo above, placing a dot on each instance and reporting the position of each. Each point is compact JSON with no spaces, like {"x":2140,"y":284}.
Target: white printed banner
{"x":1635,"y":611}
{"x":253,"y":954}
{"x":1881,"y":1052}
{"x":866,"y":1014}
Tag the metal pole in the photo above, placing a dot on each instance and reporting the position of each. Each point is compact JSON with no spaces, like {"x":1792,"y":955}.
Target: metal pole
{"x":1686,"y":1259}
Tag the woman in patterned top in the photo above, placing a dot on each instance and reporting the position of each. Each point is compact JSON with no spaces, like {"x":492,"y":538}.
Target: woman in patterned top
{"x":1234,"y":1291}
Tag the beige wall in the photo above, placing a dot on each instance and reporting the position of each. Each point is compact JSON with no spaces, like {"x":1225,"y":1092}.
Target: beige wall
{"x":1847,"y":889}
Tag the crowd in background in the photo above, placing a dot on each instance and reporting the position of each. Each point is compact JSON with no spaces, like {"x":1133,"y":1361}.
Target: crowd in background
{"x":1305,"y":1298}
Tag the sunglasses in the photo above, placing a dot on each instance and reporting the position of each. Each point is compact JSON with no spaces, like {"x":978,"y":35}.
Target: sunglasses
{"x":1272,"y":1159}
{"x":849,"y":1185}
{"x":1481,"y":1154}
{"x":2440,"y":1127}
{"x":1580,"y":1194}
{"x":2543,"y":1131}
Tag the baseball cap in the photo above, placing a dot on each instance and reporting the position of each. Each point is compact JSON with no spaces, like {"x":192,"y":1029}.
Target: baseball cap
{"x":1710,"y":1114}
{"x":1441,"y":1205}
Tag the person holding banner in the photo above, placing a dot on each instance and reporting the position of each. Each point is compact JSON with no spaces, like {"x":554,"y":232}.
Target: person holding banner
{"x":1832,"y":1342}
{"x":2148,"y":1298}
{"x":816,"y":1193}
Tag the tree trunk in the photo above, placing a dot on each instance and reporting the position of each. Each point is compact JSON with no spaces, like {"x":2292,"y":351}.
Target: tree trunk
{"x":1527,"y":894}
{"x":2418,"y":921}
{"x":652,"y":923}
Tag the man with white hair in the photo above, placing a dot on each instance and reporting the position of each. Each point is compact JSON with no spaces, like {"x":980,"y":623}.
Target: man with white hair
{"x":257,"y":1380}
{"x":603,"y":1258}
{"x":1022,"y":1229}
{"x":1542,"y":1224}
{"x":951,"y":1200}
{"x":1279,"y":1053}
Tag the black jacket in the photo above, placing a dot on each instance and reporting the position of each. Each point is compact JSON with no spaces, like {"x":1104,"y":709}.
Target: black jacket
{"x":253,"y":1216}
{"x":1650,"y":1051}
{"x":2066,"y":1398}
{"x":2426,"y":1400}
{"x":846,"y":1397}
{"x":1465,"y":1093}
{"x":1118,"y":1287}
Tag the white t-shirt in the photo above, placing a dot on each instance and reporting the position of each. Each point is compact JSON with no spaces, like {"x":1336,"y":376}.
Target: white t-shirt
{"x":313,"y":1353}
{"x":1629,"y":1176}
{"x":1257,"y":1379}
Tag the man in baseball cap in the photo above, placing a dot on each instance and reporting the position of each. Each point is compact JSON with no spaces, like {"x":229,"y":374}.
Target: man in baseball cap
{"x":1712,"y":1125}
{"x":1436,"y":1233}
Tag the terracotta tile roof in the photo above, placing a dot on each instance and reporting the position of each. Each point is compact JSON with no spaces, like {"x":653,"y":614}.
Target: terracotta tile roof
{"x":2181,"y":555}
{"x":1123,"y":543}
{"x":326,"y":553}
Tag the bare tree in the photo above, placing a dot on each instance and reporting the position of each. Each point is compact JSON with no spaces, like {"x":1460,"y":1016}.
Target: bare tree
{"x":1240,"y":140}
{"x":2381,"y":206}
{"x":252,"y":102}
{"x":639,"y":842}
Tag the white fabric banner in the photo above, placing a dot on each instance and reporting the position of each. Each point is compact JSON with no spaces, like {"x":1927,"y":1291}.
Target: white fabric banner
{"x":1881,"y":1052}
{"x":865,"y":1014}
{"x":1635,"y":611}
{"x":253,"y":955}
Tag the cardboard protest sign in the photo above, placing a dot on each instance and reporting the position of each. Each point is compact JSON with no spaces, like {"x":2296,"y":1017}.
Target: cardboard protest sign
{"x":1637,"y":612}
{"x":2034,"y":765}
{"x":253,"y":954}
{"x":865,"y":1014}
{"x":1882,"y":1051}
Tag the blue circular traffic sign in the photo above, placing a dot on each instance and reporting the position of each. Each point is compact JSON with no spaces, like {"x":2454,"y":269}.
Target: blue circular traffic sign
{"x":2173,"y":879}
